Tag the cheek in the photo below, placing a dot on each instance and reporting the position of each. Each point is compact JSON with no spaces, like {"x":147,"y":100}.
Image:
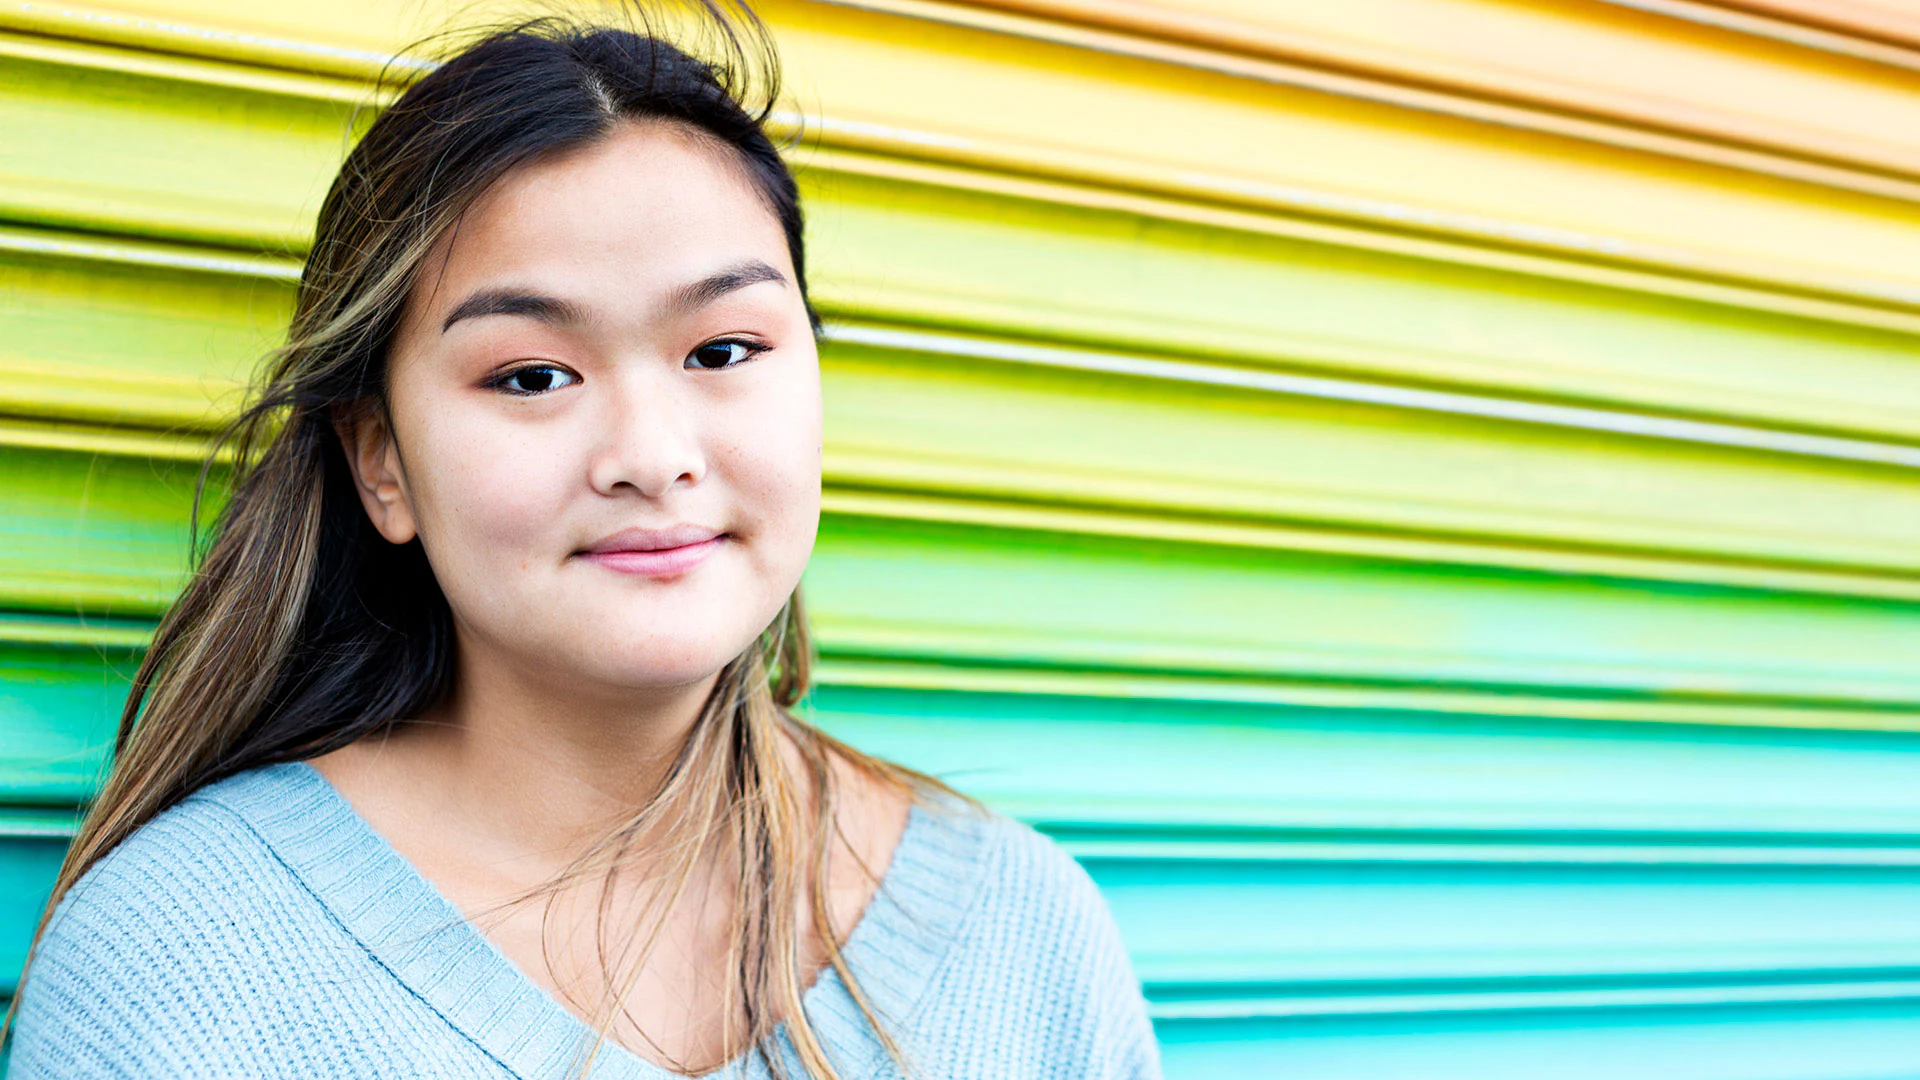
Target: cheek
{"x":777,"y":469}
{"x":486,"y":499}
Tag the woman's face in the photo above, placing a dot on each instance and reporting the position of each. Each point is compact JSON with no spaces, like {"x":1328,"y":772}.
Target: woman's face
{"x":606,"y":417}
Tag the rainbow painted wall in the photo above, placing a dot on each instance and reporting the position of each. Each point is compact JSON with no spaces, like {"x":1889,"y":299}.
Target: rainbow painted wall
{"x":1421,"y":496}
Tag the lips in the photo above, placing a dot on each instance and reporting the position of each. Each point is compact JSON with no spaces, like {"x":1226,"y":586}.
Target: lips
{"x":654,"y":552}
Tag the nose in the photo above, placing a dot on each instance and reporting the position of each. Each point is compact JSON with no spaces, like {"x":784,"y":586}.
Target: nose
{"x":650,"y":439}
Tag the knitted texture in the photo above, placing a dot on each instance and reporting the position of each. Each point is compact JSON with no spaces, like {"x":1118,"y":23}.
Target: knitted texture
{"x":261,"y":928}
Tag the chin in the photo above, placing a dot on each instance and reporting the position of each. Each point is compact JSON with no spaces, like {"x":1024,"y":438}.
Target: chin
{"x":645,"y":667}
{"x":664,"y":644}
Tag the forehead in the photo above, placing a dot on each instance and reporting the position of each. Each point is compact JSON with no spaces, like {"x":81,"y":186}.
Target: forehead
{"x":649,"y":206}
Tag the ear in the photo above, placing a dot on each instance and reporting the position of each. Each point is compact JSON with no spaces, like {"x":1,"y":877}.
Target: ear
{"x":374,"y":460}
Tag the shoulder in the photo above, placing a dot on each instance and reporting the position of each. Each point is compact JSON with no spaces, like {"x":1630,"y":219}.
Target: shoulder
{"x":1029,"y":866}
{"x":1033,"y":894}
{"x":163,"y":919}
{"x":1037,"y":962}
{"x":198,"y":864}
{"x":1025,"y":878}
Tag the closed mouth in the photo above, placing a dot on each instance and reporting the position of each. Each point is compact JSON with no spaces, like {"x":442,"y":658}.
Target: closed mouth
{"x":655,"y":552}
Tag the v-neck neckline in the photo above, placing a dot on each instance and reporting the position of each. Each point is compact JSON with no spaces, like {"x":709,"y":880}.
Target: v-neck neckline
{"x":426,"y":942}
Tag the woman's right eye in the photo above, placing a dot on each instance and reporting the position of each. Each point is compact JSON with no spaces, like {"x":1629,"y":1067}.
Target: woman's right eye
{"x":534,"y":379}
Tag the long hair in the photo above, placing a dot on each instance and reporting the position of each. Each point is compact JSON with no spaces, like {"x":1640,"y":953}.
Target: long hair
{"x":302,"y":630}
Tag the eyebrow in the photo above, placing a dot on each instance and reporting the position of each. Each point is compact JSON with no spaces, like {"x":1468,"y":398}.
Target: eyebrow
{"x":547,"y":309}
{"x":714,"y":286}
{"x":557,"y":312}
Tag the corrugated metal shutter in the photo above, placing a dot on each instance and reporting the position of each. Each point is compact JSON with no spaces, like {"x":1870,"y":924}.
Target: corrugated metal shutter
{"x":1420,"y":495}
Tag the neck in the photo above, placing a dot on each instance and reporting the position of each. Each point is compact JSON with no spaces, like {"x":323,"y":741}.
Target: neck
{"x":534,"y":770}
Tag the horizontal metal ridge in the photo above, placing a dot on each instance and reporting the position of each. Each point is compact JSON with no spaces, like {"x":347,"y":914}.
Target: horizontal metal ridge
{"x":1119,"y":844}
{"x":1404,"y":397}
{"x":1226,"y":1007}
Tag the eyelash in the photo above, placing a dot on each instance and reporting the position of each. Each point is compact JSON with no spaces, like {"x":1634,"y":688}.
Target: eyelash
{"x":500,"y":381}
{"x":753,"y":350}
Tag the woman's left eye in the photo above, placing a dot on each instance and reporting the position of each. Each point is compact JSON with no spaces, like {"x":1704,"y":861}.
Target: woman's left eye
{"x":535,"y":379}
{"x":723,"y":354}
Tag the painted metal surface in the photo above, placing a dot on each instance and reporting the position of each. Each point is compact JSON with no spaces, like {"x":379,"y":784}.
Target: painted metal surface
{"x":1420,"y":495}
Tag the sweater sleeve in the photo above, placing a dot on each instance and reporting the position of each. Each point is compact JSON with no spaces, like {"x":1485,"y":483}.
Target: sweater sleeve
{"x":1125,"y":1047}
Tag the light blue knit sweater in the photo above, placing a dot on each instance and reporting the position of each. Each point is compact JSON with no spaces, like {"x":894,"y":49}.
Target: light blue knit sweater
{"x":261,"y":928}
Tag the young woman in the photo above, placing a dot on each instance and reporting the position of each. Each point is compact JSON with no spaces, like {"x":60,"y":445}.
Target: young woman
{"x":468,"y":750}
